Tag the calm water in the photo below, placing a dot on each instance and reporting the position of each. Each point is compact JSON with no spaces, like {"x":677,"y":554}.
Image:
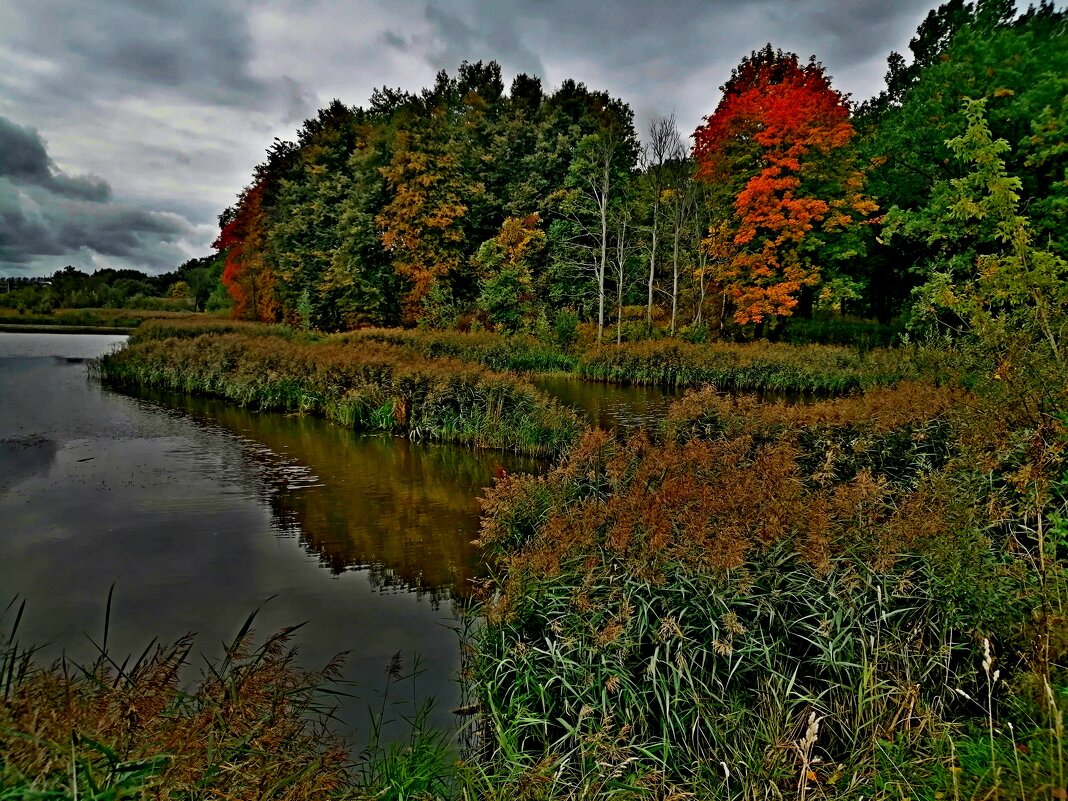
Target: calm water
{"x":625,"y":409}
{"x":199,"y":513}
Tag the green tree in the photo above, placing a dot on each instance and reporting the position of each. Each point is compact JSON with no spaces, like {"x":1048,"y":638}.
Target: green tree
{"x":1013,"y":294}
{"x":1019,"y":63}
{"x":506,"y":264}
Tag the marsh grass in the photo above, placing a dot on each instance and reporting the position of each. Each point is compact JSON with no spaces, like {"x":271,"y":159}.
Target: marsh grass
{"x":255,"y":725}
{"x":751,"y":367}
{"x":519,"y":353}
{"x":676,"y":617}
{"x":359,"y":384}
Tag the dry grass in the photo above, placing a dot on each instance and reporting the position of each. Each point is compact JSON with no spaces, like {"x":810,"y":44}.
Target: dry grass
{"x":252,"y":727}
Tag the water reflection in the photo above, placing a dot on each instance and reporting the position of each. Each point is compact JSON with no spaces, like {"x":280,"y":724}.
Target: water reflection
{"x":407,"y":512}
{"x":617,"y":408}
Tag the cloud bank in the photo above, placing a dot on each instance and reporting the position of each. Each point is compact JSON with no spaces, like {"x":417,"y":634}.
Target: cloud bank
{"x":46,"y":214}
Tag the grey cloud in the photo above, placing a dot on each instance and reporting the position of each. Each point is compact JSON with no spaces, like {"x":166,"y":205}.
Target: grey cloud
{"x":299,"y":102}
{"x":201,"y":48}
{"x":487,"y":36}
{"x":46,"y":213}
{"x":34,"y":224}
{"x":23,"y":159}
{"x":396,"y":41}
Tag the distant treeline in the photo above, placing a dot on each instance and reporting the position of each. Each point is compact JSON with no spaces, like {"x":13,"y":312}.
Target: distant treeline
{"x":196,"y":286}
{"x":465,"y":205}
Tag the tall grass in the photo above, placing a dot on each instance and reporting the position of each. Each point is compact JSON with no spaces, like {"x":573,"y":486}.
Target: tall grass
{"x":751,"y":367}
{"x":361,"y":385}
{"x":520,"y":353}
{"x":253,"y":726}
{"x":782,"y":602}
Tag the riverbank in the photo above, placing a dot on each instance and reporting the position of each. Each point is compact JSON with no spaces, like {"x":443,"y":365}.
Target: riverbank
{"x":365,"y":386}
{"x":89,"y":321}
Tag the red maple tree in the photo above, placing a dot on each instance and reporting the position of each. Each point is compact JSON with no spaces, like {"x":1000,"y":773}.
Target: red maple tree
{"x":776,"y":146}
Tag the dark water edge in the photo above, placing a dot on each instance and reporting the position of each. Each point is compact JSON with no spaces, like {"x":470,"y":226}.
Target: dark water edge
{"x":199,"y":513}
{"x":625,"y":409}
{"x":59,"y":328}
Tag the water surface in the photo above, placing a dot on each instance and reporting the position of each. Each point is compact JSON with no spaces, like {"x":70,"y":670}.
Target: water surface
{"x":199,"y":513}
{"x":618,"y":408}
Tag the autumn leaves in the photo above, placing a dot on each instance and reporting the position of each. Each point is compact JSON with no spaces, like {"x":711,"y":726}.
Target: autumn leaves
{"x":777,"y":148}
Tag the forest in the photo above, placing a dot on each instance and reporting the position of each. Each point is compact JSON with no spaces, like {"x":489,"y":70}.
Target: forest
{"x":466,"y":206}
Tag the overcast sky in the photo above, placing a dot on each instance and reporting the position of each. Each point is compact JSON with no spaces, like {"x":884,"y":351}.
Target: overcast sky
{"x":126,"y":126}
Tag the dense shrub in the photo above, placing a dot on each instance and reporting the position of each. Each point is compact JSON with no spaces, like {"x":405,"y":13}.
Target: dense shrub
{"x":841,"y":331}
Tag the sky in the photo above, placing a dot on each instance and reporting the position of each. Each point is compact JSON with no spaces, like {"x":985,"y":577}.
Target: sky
{"x":127,"y":126}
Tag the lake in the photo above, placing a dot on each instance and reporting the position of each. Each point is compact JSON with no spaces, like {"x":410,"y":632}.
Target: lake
{"x":199,"y":512}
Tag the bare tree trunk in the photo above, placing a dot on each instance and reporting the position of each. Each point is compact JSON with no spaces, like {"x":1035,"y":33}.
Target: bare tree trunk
{"x":665,"y":146}
{"x":606,"y":184}
{"x":652,"y":264}
{"x":621,"y":265}
{"x":702,"y":263}
{"x":681,"y":208}
{"x":675,"y":282}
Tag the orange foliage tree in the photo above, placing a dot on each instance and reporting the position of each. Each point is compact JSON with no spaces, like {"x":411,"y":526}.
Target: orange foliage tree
{"x":422,"y":226}
{"x":248,"y":276}
{"x":777,"y":150}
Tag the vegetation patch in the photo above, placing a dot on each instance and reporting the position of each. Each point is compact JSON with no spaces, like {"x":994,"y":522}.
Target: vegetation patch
{"x":820,"y":599}
{"x":359,"y":384}
{"x":519,"y":353}
{"x":252,"y":727}
{"x":750,"y":367}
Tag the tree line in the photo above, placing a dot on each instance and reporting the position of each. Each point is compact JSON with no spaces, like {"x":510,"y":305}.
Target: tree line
{"x":195,"y":285}
{"x":468,"y":205}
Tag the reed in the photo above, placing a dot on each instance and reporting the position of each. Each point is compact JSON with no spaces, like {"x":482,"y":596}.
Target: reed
{"x":674,"y":618}
{"x":253,"y":726}
{"x":362,"y":385}
{"x":751,"y":367}
{"x":520,"y":353}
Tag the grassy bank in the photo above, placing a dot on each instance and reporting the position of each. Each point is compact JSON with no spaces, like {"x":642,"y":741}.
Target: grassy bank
{"x":751,"y":367}
{"x":359,"y":384}
{"x":857,"y":598}
{"x":105,"y":319}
